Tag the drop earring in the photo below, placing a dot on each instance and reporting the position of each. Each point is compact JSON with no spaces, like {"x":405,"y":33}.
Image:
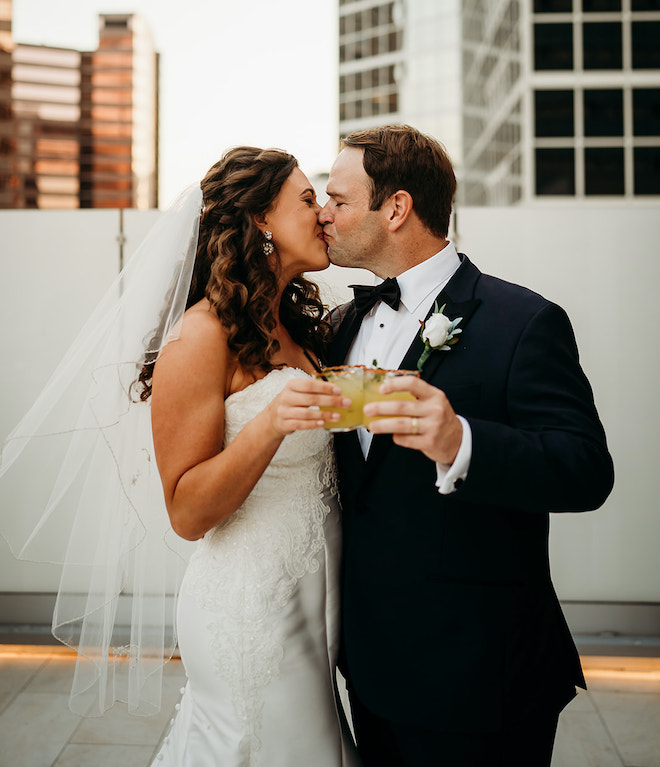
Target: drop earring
{"x":268,"y":246}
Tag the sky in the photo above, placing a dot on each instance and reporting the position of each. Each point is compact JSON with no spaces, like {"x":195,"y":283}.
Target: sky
{"x":259,"y":72}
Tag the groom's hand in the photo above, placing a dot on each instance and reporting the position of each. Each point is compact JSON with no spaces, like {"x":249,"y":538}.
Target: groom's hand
{"x":428,"y":423}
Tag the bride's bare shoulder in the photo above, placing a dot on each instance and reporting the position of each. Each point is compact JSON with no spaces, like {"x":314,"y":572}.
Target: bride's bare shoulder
{"x":202,"y":318}
{"x":201,"y":326}
{"x":201,"y":340}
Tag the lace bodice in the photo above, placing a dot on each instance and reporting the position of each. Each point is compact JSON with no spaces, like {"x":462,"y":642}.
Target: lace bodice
{"x":298,"y":454}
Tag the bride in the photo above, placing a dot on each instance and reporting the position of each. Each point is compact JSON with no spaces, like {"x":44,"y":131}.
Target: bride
{"x":246,"y":469}
{"x":201,"y":358}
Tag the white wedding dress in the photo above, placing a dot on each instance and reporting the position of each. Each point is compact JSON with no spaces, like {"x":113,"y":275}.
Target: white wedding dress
{"x":258,"y":615}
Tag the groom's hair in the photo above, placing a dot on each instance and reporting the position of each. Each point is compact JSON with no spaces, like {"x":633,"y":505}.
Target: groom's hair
{"x":400,"y":157}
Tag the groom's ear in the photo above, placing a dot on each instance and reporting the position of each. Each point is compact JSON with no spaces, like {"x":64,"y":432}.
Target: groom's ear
{"x":400,"y":206}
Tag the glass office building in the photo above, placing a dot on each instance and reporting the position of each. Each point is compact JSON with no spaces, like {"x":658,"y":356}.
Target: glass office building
{"x":45,"y":101}
{"x":79,"y":129}
{"x":370,"y":55}
{"x":534,"y":99}
{"x":119,"y":125}
{"x":595,"y":98}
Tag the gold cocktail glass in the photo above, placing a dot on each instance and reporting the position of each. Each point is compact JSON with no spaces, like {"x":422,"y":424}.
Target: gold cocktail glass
{"x":374,"y":378}
{"x":349,"y":379}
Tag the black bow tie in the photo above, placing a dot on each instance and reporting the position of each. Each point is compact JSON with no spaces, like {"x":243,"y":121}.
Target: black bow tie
{"x":367,"y":296}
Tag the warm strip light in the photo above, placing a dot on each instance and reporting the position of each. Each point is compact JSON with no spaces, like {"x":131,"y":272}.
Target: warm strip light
{"x":45,"y":652}
{"x":652,"y":674}
{"x":17,"y":651}
{"x":620,"y":664}
{"x":606,"y":673}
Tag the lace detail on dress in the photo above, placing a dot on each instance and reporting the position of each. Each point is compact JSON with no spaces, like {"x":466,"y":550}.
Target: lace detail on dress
{"x":246,"y":569}
{"x":248,"y":658}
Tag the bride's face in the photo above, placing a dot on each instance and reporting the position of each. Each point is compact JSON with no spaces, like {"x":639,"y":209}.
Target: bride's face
{"x":297,"y":234}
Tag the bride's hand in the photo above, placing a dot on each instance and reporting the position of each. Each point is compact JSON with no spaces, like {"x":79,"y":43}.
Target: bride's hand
{"x":297,"y":406}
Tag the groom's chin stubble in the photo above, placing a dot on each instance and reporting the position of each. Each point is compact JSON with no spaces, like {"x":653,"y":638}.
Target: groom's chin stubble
{"x":336,"y":259}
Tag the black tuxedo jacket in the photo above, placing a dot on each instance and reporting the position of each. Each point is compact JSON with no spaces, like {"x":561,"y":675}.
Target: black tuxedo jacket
{"x":450,"y":619}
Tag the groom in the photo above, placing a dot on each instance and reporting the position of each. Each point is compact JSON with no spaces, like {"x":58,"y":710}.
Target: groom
{"x":454,"y":644}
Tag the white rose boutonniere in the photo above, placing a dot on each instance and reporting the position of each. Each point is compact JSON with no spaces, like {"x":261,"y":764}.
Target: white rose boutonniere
{"x":438,"y":333}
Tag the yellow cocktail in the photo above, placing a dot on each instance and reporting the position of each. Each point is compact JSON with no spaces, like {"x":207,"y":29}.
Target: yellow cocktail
{"x":374,"y":378}
{"x":349,"y":379}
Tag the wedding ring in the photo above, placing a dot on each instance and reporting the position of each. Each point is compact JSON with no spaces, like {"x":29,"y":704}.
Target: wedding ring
{"x":414,"y":425}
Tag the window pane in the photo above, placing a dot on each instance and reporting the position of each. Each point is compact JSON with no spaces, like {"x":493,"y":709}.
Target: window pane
{"x":645,"y":47}
{"x":603,"y":113}
{"x":590,"y":6}
{"x":647,"y":170}
{"x":602,"y":45}
{"x":646,"y":5}
{"x":603,"y":170}
{"x":555,"y":171}
{"x":553,"y":46}
{"x":646,"y":112}
{"x":554,"y":113}
{"x":553,"y":6}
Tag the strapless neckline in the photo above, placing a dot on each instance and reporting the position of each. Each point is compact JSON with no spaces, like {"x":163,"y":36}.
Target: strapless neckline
{"x":299,"y":373}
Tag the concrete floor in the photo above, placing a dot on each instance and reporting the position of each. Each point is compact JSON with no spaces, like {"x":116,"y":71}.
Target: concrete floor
{"x":614,"y":724}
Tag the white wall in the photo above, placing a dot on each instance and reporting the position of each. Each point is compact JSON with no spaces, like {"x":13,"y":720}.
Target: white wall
{"x":602,"y":265}
{"x":54,"y":267}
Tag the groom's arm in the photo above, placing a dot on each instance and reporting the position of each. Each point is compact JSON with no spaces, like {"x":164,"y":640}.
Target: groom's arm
{"x":551,"y":455}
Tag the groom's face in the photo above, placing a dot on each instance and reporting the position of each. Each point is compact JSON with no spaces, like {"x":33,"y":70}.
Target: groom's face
{"x":355,"y":235}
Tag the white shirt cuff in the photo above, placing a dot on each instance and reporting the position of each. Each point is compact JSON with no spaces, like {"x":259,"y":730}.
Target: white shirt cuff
{"x":451,"y":476}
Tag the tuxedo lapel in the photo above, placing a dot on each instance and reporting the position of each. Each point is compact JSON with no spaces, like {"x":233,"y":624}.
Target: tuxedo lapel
{"x":346,"y":328}
{"x":457,"y":298}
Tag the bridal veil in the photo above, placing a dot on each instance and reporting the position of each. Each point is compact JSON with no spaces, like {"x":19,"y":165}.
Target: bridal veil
{"x":79,"y":484}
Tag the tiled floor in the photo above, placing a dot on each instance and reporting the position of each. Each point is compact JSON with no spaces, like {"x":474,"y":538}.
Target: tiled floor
{"x":615,"y":724}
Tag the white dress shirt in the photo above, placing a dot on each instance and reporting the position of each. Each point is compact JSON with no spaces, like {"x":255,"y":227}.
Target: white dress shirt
{"x":385,"y":336}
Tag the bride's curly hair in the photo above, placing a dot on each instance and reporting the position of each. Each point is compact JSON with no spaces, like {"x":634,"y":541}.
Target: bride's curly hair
{"x":233,"y":272}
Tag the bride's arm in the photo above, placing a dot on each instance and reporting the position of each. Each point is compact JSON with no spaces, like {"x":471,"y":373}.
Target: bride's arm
{"x":204,"y":484}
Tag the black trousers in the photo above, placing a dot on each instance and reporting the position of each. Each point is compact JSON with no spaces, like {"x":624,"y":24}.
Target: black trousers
{"x":387,"y":744}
